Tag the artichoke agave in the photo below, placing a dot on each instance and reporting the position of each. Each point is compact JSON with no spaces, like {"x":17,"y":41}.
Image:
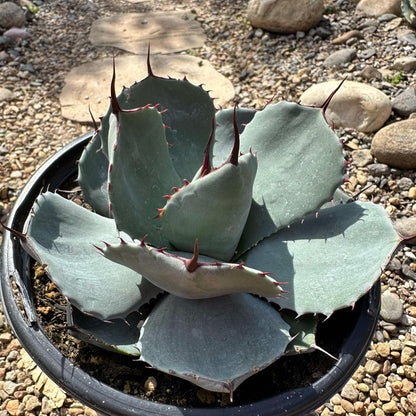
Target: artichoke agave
{"x":212,"y":207}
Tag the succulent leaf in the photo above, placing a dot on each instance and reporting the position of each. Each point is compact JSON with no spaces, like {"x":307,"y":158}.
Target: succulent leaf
{"x":118,"y":335}
{"x":302,"y":329}
{"x":92,"y":176}
{"x":213,"y":209}
{"x":224,"y":131}
{"x":204,"y":342}
{"x":138,"y":182}
{"x":187,"y":112}
{"x":331,"y":260}
{"x":60,"y":235}
{"x":207,"y":278}
{"x":300,"y":165}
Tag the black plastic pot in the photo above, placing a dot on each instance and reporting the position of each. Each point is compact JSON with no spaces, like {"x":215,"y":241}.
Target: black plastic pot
{"x":358,"y":326}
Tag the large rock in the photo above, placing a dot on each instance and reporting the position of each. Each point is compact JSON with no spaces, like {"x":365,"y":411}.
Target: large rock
{"x":285,"y":16}
{"x":379,"y":7}
{"x":356,"y":105}
{"x":11,"y":15}
{"x":166,"y":32}
{"x":395,"y":144}
{"x":89,"y":84}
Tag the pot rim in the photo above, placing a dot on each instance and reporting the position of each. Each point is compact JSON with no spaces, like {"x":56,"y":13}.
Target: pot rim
{"x":107,"y":400}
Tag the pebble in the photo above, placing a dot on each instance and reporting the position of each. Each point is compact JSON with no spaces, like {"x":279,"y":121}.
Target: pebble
{"x":405,"y":103}
{"x":407,"y":227}
{"x":395,"y":144}
{"x":284,"y":16}
{"x":340,"y":57}
{"x":391,"y":307}
{"x":368,"y":107}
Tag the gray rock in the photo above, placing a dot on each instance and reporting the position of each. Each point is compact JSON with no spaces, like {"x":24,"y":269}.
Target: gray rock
{"x":362,"y":157}
{"x":408,"y":272}
{"x":405,"y":63}
{"x":379,"y":7}
{"x":11,"y":15}
{"x":166,"y":31}
{"x":356,"y":105}
{"x":386,"y":17}
{"x":406,"y":227}
{"x":17,"y":34}
{"x":409,"y":38}
{"x":285,"y":16}
{"x":405,"y":183}
{"x":340,"y":57}
{"x":370,"y":73}
{"x":394,"y":265}
{"x":391,"y":307}
{"x":405,"y":103}
{"x":395,"y":144}
{"x":88,"y":84}
{"x":5,"y":94}
{"x":367,"y":53}
{"x":378,"y":169}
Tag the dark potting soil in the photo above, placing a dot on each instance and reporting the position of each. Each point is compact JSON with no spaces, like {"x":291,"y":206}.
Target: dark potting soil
{"x":132,"y":376}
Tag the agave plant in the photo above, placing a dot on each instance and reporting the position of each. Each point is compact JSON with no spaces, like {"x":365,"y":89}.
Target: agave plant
{"x":409,"y":11}
{"x":227,"y":213}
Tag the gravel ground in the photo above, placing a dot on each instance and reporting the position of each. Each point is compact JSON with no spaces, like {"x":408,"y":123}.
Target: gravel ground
{"x":262,"y":67}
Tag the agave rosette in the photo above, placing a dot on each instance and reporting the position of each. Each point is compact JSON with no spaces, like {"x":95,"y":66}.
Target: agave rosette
{"x":212,"y":207}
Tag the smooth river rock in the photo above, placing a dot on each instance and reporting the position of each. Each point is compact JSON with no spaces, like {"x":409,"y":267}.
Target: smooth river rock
{"x":89,"y":84}
{"x":285,"y":16}
{"x":167,"y":32}
{"x":356,"y":105}
{"x":395,"y":144}
{"x":379,"y":7}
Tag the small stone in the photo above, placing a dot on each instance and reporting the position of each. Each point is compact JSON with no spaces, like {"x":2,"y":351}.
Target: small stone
{"x":362,"y":157}
{"x":383,"y":349}
{"x":346,"y":36}
{"x":349,"y":392}
{"x":370,"y":73}
{"x":405,"y":226}
{"x":347,"y":405}
{"x":405,"y":103}
{"x":407,"y":356}
{"x":405,"y":63}
{"x":150,"y":384}
{"x":6,"y":95}
{"x":391,"y":307}
{"x":12,"y":406}
{"x":340,"y":57}
{"x":363,"y":387}
{"x":358,"y":407}
{"x":395,"y":144}
{"x":383,"y":394}
{"x":368,"y":107}
{"x":412,"y":192}
{"x":367,"y":53}
{"x":31,"y":402}
{"x":390,"y":407}
{"x":10,"y":387}
{"x":285,"y":16}
{"x":372,"y":367}
{"x":378,"y":169}
{"x":379,"y":412}
{"x":409,"y":372}
{"x":11,"y":15}
{"x":339,"y":410}
{"x":336,"y":400}
{"x":380,"y":7}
